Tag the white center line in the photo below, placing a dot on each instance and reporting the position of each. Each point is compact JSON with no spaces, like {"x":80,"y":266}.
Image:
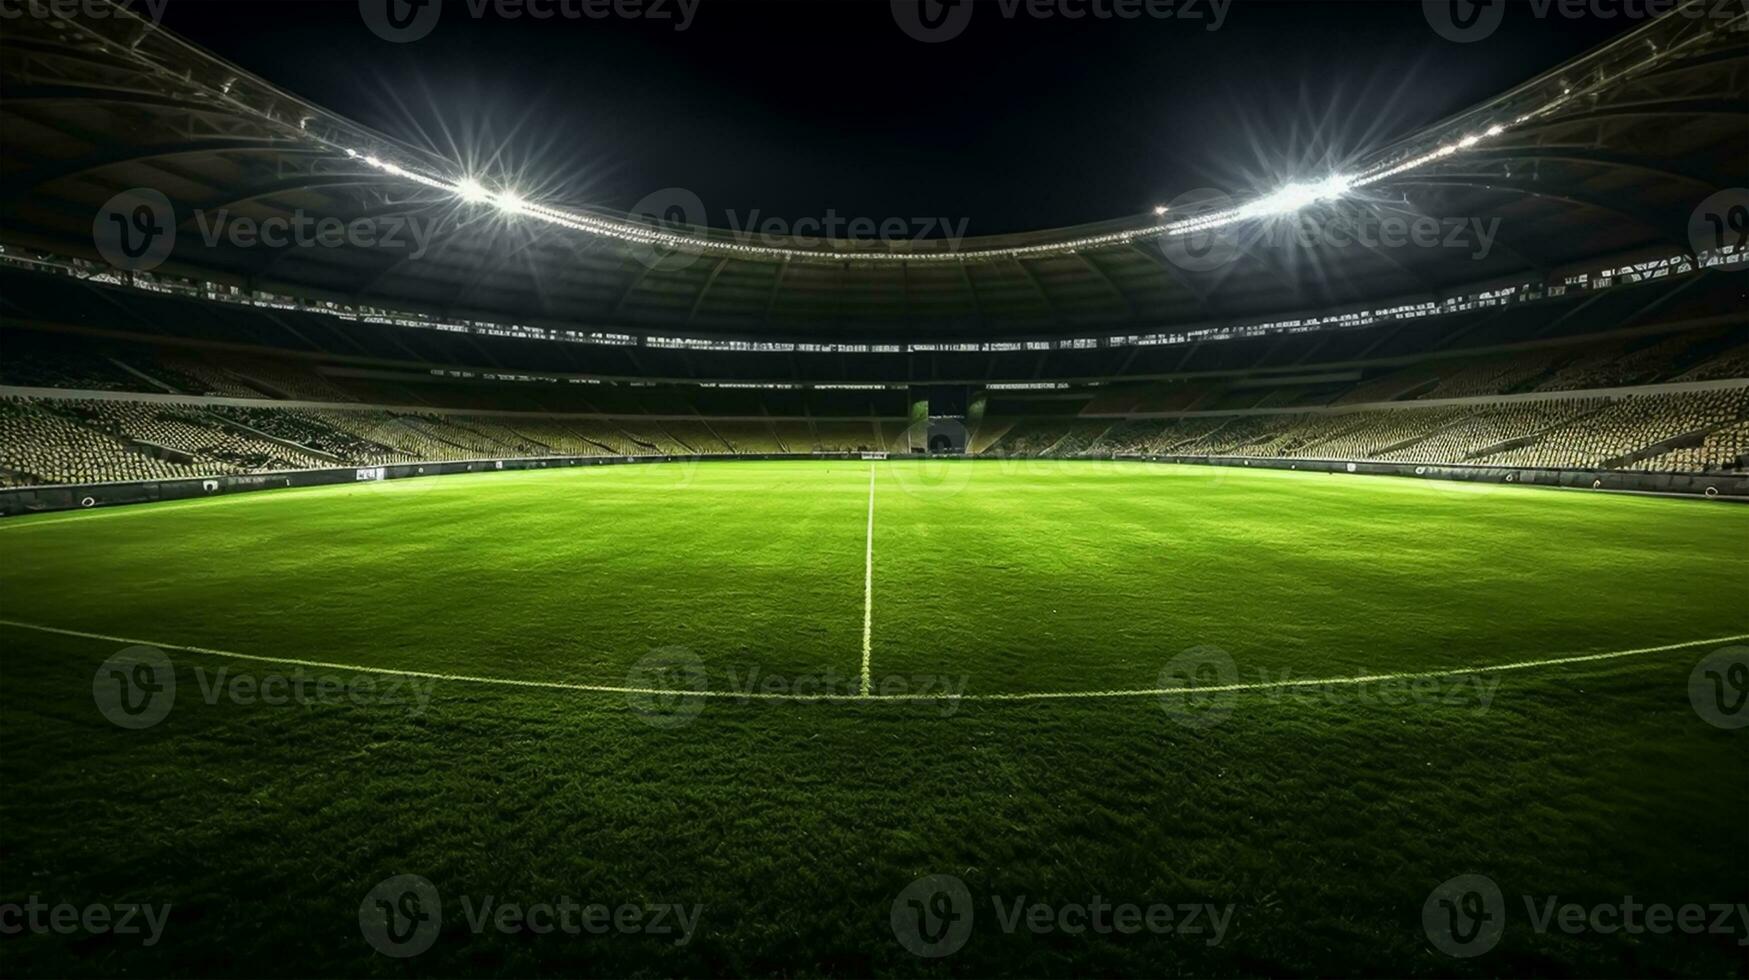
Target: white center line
{"x":868,"y":587}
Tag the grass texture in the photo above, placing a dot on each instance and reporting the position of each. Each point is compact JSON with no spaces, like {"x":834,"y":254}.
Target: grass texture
{"x":1320,"y":816}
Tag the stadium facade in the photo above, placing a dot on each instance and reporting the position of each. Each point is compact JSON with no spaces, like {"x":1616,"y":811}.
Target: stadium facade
{"x":1547,"y":288}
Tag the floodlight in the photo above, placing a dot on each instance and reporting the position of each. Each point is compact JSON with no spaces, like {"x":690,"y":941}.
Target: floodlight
{"x":1295,"y":196}
{"x":1334,"y":186}
{"x":471,"y":191}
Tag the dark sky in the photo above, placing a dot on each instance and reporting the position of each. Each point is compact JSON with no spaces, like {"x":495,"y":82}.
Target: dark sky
{"x":793,"y":108}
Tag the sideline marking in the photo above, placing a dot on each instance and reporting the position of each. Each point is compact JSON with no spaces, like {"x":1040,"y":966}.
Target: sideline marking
{"x":767,"y":696}
{"x":868,"y":586}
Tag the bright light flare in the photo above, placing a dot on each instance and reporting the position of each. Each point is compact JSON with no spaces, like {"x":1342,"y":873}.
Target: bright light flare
{"x":1295,"y":196}
{"x":472,"y":191}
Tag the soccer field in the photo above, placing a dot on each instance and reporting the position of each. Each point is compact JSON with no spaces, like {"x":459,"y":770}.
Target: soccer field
{"x":884,"y":671}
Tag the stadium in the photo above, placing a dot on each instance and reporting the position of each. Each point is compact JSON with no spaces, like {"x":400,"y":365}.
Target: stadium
{"x":416,"y":567}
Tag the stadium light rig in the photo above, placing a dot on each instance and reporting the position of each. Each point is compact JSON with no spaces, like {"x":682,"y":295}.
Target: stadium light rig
{"x":1293,"y":197}
{"x":1282,"y":201}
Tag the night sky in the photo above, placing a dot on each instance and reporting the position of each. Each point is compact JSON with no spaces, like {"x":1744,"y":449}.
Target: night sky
{"x":793,"y":108}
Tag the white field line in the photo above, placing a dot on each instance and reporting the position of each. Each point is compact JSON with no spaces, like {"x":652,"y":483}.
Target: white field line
{"x":997,"y":696}
{"x":868,"y":587}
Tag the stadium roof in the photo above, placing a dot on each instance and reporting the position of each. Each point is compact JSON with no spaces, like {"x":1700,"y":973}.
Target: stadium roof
{"x":1608,"y":155}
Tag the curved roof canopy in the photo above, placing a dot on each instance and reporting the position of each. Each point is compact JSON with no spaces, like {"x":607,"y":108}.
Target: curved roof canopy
{"x":1608,"y":155}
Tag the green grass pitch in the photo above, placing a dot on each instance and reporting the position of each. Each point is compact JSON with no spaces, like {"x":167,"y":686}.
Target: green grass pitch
{"x":1322,"y":816}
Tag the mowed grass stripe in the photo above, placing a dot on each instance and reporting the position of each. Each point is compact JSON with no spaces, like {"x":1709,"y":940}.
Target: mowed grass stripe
{"x":868,"y":587}
{"x":1093,"y":578}
{"x":567,"y":574}
{"x":1083,"y":578}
